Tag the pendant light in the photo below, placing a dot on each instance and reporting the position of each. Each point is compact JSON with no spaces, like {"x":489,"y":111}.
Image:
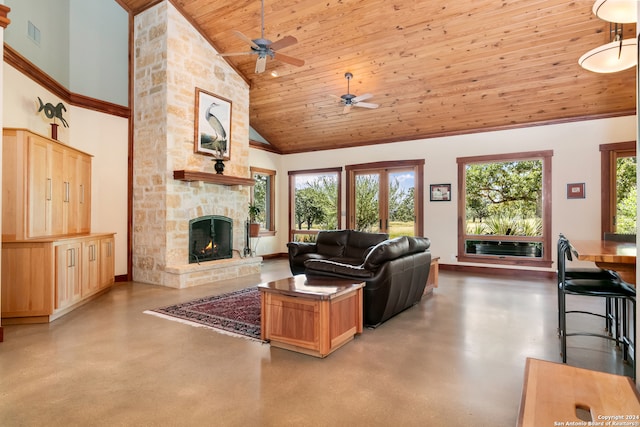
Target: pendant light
{"x":620,"y":11}
{"x":612,"y":57}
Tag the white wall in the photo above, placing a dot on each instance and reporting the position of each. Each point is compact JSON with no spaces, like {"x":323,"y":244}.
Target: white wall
{"x":576,"y":159}
{"x":84,"y":45}
{"x":51,"y":17}
{"x":102,"y":135}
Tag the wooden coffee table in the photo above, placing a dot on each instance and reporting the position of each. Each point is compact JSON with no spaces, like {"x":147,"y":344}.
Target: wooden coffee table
{"x":312,"y":315}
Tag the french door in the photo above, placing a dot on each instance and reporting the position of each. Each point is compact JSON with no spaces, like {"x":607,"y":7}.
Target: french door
{"x":386,"y":197}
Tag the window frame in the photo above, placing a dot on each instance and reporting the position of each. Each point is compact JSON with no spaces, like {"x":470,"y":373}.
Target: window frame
{"x":545,"y":239}
{"x":270,"y":230}
{"x":292,"y":178}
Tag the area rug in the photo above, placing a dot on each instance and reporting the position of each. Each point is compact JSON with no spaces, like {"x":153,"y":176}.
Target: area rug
{"x":235,"y":313}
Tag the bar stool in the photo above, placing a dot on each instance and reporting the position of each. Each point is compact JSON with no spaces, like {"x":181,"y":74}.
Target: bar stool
{"x":587,"y":273}
{"x":604,"y":288}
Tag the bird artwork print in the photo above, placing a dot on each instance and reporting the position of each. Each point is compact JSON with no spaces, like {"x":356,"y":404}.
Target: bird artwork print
{"x":216,"y":137}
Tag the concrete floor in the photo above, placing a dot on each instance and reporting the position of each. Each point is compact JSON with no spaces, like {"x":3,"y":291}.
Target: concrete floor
{"x":455,"y":359}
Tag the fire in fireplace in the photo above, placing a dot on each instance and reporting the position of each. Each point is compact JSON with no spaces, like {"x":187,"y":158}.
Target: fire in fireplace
{"x":210,"y":238}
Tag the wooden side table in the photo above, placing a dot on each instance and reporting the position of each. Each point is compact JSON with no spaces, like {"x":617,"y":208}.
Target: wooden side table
{"x":432,"y":280}
{"x":555,"y":394}
{"x":311,"y":315}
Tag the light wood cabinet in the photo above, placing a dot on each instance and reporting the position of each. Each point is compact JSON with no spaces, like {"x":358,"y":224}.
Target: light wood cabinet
{"x":51,"y":262}
{"x":46,"y":187}
{"x":43,"y":279}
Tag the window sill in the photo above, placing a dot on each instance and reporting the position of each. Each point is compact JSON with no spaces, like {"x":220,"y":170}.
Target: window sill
{"x":506,"y":260}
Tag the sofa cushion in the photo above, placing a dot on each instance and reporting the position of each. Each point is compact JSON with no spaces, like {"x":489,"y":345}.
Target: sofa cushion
{"x":345,"y":260}
{"x":328,"y":267}
{"x":386,"y":251}
{"x":418,"y":244}
{"x":332,"y":243}
{"x":361,"y":242}
{"x":299,"y":248}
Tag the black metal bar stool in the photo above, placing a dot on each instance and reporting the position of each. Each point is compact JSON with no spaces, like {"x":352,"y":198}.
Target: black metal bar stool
{"x":608,"y":288}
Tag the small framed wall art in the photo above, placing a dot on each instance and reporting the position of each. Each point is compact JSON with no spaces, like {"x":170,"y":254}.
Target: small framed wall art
{"x":575,"y":191}
{"x":212,"y":125}
{"x":440,"y":192}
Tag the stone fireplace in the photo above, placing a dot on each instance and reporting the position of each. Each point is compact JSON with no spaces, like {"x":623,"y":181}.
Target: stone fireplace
{"x":173,"y":60}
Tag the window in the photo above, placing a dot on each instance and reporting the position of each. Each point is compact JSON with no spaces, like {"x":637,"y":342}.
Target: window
{"x":619,"y":187}
{"x":263,"y":196}
{"x":386,"y":197}
{"x":314,"y":202}
{"x":504,"y":204}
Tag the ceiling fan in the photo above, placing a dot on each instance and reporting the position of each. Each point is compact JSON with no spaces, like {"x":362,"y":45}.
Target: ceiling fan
{"x":266,"y":48}
{"x":350,"y":100}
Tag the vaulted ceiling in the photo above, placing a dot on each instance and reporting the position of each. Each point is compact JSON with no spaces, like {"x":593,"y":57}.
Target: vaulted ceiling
{"x":435,"y":68}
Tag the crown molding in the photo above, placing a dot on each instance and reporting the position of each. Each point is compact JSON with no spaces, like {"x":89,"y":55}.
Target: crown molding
{"x":19,"y":62}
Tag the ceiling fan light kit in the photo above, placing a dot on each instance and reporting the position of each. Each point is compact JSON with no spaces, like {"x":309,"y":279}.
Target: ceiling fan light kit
{"x":618,"y":54}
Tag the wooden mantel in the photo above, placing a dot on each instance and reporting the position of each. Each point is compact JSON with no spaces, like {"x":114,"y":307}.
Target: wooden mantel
{"x":212,"y":178}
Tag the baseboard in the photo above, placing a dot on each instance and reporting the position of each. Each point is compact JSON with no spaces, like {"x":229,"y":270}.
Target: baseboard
{"x":122,"y":278}
{"x":275,"y":256}
{"x":504,"y":272}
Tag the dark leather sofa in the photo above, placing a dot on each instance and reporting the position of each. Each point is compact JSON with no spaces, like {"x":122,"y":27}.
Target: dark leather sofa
{"x":345,"y":246}
{"x":395,"y":271}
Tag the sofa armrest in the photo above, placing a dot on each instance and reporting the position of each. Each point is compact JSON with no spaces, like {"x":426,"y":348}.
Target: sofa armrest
{"x":337,"y":269}
{"x":299,"y":248}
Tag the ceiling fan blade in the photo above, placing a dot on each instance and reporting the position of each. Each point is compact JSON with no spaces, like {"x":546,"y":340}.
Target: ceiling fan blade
{"x":336,"y":97}
{"x":235,"y":53}
{"x":362,"y":97}
{"x":366,"y":105}
{"x":284,"y":42}
{"x":346,"y":109}
{"x":261,"y":64}
{"x":288,"y":59}
{"x":245,"y":39}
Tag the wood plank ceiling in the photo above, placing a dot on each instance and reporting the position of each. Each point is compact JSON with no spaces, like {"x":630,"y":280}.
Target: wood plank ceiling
{"x":435,"y":68}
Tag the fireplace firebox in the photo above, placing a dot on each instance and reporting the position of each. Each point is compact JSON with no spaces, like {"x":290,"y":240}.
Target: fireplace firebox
{"x":210,"y":238}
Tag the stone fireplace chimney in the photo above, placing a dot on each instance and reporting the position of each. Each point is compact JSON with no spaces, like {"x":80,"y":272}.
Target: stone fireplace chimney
{"x":171,"y":60}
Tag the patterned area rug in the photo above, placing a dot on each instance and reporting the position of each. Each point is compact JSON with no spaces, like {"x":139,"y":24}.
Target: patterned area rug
{"x":235,"y":313}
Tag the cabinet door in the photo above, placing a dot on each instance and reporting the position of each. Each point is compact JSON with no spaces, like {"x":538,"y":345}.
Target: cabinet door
{"x":72,"y":192}
{"x":44,"y":187}
{"x":57,"y":195}
{"x":39,"y":188}
{"x":90,"y":267}
{"x":68,"y":286}
{"x":107,"y":262}
{"x":84,"y":196}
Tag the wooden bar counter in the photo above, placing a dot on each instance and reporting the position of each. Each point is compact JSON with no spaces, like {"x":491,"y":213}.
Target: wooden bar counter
{"x":610,"y":255}
{"x":311,"y":315}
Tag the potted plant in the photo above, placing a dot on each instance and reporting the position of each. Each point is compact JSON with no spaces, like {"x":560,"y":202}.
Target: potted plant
{"x":254,"y":225}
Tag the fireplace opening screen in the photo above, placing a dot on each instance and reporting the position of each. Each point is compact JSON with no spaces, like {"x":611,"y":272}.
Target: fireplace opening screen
{"x":210,"y":238}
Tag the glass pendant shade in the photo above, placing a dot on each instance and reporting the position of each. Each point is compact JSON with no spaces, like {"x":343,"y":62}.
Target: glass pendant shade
{"x":609,"y":58}
{"x":620,"y":11}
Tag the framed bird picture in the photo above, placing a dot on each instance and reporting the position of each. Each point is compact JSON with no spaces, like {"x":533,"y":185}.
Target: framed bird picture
{"x":212,"y":125}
